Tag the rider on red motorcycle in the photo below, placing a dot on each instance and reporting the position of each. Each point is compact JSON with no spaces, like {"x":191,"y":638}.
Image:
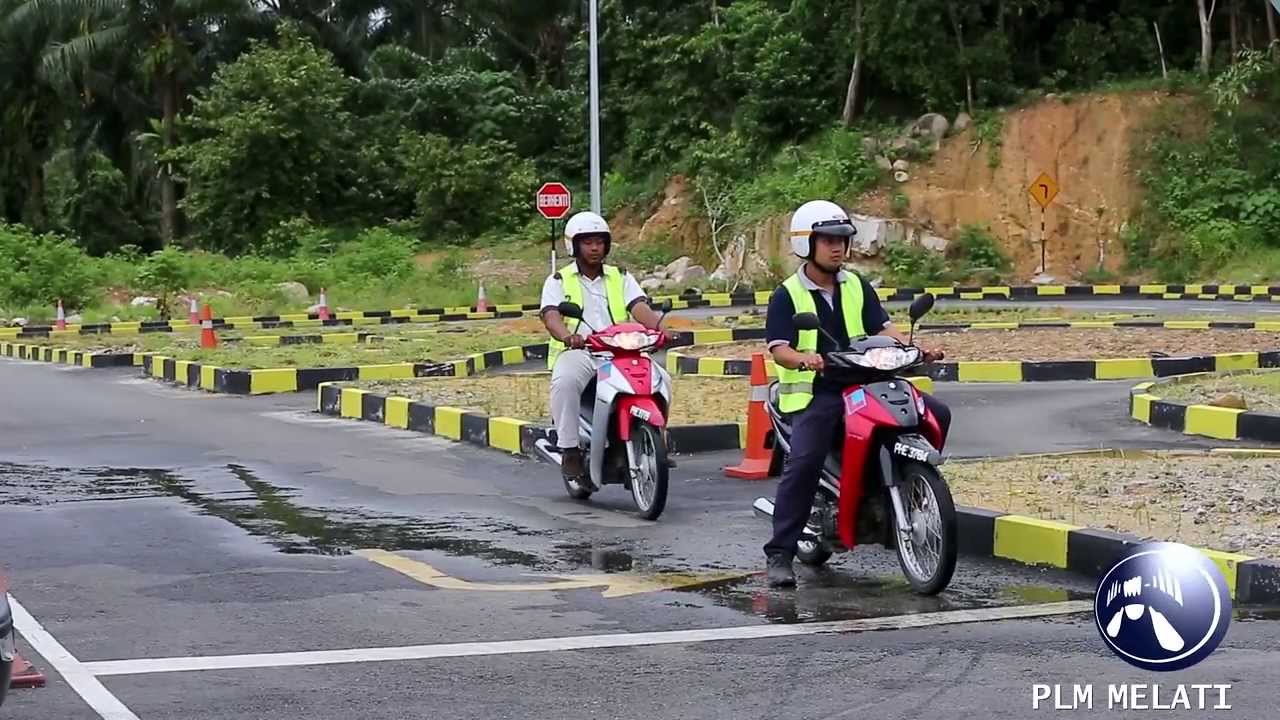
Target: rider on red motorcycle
{"x":847,"y":307}
{"x":607,"y":295}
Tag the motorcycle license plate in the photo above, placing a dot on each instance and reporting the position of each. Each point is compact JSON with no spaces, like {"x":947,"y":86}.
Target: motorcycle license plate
{"x":641,"y":413}
{"x":914,"y":447}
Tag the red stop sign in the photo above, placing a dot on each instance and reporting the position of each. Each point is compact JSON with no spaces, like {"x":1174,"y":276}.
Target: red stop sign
{"x":554,"y":200}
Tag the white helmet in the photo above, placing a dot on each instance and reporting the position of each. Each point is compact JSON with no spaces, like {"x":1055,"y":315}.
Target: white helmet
{"x":818,"y":216}
{"x":586,"y":223}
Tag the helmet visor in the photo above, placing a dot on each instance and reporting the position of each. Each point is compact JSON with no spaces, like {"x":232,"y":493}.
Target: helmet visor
{"x":836,"y":228}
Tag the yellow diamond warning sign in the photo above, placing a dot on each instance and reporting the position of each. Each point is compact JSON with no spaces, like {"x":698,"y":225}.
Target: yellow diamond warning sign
{"x":1044,"y":190}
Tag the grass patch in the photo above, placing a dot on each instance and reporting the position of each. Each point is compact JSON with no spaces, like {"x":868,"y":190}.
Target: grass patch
{"x":696,"y":400}
{"x":1259,"y":391}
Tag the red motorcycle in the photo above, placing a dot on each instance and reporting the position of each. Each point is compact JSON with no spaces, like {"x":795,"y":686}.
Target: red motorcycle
{"x":623,"y":417}
{"x":881,"y":483}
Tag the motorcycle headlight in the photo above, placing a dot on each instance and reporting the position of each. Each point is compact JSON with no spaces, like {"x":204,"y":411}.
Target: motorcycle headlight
{"x":631,"y":340}
{"x":887,"y":358}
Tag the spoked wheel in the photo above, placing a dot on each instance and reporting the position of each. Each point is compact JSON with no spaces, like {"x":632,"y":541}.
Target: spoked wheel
{"x":649,"y":480}
{"x":928,"y":554}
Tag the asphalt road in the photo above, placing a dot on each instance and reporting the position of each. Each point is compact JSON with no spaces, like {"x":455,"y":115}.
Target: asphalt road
{"x":223,"y":534}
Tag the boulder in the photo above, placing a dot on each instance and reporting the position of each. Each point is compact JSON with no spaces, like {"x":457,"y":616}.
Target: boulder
{"x":679,"y":266}
{"x":294,"y":291}
{"x":1230,"y":400}
{"x":932,"y":125}
{"x":660,"y":274}
{"x":75,"y":319}
{"x":143,"y":301}
{"x":962,"y":123}
{"x":650,"y":284}
{"x":870,"y":146}
{"x":20,"y":321}
{"x":722,"y":274}
{"x":690,"y":274}
{"x":934,"y":243}
{"x":901,"y":176}
{"x":901,"y":165}
{"x":1043,"y":279}
{"x":884,"y":163}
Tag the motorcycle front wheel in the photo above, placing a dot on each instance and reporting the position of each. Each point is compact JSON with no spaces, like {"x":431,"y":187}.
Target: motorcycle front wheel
{"x":928,"y":554}
{"x":649,"y":482}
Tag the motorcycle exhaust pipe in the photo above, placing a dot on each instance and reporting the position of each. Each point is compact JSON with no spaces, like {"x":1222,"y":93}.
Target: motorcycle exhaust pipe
{"x":763,"y":508}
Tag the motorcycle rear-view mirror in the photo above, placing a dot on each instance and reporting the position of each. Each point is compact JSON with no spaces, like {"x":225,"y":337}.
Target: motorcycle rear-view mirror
{"x":570,"y":310}
{"x":807,"y":321}
{"x":922,"y":305}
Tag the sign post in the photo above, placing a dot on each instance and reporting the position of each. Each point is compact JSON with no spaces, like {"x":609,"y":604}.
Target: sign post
{"x":1043,"y":190}
{"x":553,"y":201}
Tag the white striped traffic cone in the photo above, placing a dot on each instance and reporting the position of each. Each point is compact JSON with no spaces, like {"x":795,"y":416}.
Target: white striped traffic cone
{"x":62,"y":317}
{"x":482,"y":303}
{"x":323,"y":310}
{"x":193,"y":316}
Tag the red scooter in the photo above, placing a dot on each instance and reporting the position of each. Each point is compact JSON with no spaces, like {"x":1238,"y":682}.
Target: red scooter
{"x":881,"y":483}
{"x":623,"y":417}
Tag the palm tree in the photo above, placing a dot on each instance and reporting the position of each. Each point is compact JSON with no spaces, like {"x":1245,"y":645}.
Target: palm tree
{"x":157,"y":36}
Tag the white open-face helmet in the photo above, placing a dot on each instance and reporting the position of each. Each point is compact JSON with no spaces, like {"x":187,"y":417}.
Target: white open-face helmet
{"x":818,"y":216}
{"x":586,"y":223}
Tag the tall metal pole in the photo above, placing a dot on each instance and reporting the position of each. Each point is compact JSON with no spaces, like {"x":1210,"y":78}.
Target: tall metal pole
{"x":595,"y":114}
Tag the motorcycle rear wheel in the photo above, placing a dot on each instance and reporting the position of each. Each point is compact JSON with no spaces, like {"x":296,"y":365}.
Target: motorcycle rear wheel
{"x":932,"y":514}
{"x":649,"y":487}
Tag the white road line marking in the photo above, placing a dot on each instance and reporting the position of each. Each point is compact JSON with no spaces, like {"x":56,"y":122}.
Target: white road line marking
{"x":72,"y":670}
{"x":584,"y":642}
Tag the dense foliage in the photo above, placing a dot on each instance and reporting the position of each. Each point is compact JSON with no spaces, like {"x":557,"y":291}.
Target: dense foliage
{"x":243,"y":127}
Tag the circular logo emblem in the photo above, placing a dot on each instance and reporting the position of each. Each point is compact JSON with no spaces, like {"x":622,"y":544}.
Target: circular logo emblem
{"x":1163,"y":607}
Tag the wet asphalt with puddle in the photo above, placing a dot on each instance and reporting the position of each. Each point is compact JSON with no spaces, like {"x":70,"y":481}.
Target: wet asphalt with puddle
{"x":145,"y":521}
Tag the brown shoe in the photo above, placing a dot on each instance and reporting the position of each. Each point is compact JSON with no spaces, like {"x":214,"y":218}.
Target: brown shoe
{"x":571,"y":463}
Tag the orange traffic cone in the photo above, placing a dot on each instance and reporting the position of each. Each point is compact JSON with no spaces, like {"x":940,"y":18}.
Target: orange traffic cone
{"x":25,"y":675}
{"x":482,"y":303}
{"x":193,"y":316}
{"x":208,"y":338}
{"x":755,"y":463}
{"x":61,"y":324}
{"x":323,"y":310}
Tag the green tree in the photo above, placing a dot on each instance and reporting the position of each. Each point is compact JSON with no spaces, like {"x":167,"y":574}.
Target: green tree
{"x":272,"y":140}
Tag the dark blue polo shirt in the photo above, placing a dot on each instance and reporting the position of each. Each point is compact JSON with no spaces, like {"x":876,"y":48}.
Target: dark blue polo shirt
{"x":781,"y":328}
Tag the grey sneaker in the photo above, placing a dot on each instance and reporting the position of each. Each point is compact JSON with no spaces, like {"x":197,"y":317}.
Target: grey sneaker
{"x":780,"y":572}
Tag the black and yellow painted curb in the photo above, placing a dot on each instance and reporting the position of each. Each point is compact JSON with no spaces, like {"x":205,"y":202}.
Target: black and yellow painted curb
{"x":66,"y":356}
{"x":1092,"y":552}
{"x":510,"y":435}
{"x":284,"y":380}
{"x":1203,"y":291}
{"x":273,"y":322}
{"x":1222,"y":423}
{"x":1010,"y":371}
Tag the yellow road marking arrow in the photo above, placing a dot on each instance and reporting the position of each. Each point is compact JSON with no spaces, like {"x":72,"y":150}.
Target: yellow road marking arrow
{"x":614,"y":585}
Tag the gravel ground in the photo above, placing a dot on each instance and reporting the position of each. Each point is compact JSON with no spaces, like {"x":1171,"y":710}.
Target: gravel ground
{"x":755,"y":316}
{"x":1057,"y":344}
{"x":1219,"y":503}
{"x":1259,"y":392}
{"x":697,"y":400}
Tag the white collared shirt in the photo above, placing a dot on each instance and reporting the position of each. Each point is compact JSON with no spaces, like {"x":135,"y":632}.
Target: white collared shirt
{"x":595,"y":301}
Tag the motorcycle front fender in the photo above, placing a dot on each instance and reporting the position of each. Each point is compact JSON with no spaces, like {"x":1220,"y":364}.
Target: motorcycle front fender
{"x":641,"y":407}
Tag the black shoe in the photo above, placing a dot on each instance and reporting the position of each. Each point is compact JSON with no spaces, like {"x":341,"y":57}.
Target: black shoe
{"x":780,"y":572}
{"x":571,"y":464}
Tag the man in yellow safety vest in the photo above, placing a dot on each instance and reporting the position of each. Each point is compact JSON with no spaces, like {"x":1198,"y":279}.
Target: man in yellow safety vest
{"x":608,"y":295}
{"x":848,"y":308}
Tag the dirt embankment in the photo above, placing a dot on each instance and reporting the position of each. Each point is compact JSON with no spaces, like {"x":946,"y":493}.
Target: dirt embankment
{"x":1084,"y":144}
